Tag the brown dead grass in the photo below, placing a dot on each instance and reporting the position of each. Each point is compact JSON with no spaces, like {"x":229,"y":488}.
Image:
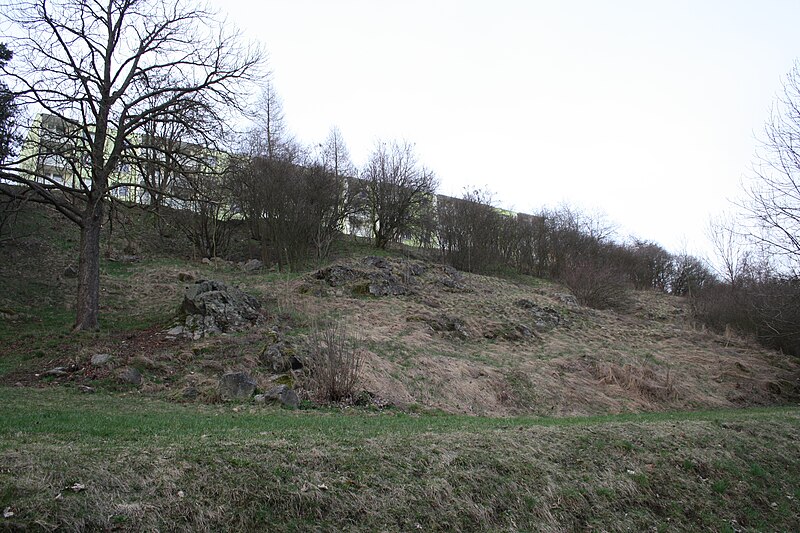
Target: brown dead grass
{"x":651,"y":358}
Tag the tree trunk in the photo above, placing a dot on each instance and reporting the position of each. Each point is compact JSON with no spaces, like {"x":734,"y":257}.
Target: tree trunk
{"x":88,"y":305}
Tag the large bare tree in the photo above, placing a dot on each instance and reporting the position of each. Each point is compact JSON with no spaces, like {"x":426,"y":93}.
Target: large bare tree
{"x":774,"y":194}
{"x":99,"y":71}
{"x":400,"y":190}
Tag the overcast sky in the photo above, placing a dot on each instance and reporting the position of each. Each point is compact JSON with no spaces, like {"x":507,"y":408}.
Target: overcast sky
{"x":647,"y":111}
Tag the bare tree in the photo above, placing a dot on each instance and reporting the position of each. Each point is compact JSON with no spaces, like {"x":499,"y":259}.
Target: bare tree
{"x":733,"y":257}
{"x":336,"y":156}
{"x":101,"y":70}
{"x":470,"y":231}
{"x":774,"y":195}
{"x":400,"y":191}
{"x":270,"y":138}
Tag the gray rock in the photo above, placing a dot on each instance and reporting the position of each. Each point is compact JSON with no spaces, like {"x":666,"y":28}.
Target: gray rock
{"x":337,"y":275}
{"x":283,"y":394}
{"x":276,"y":358}
{"x":130,"y":375}
{"x":100,"y":359}
{"x":190,"y":393}
{"x":176,"y":331}
{"x":61,"y":371}
{"x":377,"y":262}
{"x":384,"y":283}
{"x":567,"y":299}
{"x":545,"y":318}
{"x":416,"y":269}
{"x":252,"y":265}
{"x":451,"y":325}
{"x":212,"y":307}
{"x":55,"y":372}
{"x":236,"y":385}
{"x":453,"y":279}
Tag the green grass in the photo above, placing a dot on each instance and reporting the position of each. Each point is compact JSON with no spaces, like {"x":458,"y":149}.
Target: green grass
{"x":148,"y":464}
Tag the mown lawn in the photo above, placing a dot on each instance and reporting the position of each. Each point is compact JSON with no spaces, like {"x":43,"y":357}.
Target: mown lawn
{"x":142,"y":464}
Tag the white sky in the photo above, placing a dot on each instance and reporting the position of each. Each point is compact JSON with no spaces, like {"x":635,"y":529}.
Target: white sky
{"x":647,"y":111}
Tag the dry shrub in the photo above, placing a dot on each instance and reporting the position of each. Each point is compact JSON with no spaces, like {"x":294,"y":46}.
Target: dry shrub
{"x":597,"y":284}
{"x":333,"y":361}
{"x":639,"y":379}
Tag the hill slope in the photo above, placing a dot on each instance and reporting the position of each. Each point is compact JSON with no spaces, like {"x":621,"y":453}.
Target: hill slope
{"x":434,"y":337}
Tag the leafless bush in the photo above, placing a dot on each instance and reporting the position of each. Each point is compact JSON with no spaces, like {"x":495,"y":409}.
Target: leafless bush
{"x":333,"y":361}
{"x":596,"y":284}
{"x":766,"y":308}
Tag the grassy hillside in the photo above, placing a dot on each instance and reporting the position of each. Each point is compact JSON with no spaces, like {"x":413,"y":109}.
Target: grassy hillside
{"x":476,"y":382}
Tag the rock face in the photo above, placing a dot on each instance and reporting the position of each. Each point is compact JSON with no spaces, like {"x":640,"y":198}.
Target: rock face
{"x":379,"y":277}
{"x":236,"y":385}
{"x":212,"y":307}
{"x":337,"y":275}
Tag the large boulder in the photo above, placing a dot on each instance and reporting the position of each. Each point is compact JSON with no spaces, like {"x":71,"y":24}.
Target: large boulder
{"x":212,"y":307}
{"x":280,"y":393}
{"x":236,"y":386}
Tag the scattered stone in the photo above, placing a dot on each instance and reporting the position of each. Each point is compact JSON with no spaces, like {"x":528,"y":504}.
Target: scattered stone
{"x":100,"y":359}
{"x":567,"y":299}
{"x":86,"y":389}
{"x":545,"y":318}
{"x":185,"y":276}
{"x":205,"y":261}
{"x":236,"y":385}
{"x":61,"y":371}
{"x":452,"y":279}
{"x":449,"y":324}
{"x":70,"y":272}
{"x":130,"y":375}
{"x":252,"y":265}
{"x":416,"y":269}
{"x":377,"y":262}
{"x":55,"y":372}
{"x":519,"y":332}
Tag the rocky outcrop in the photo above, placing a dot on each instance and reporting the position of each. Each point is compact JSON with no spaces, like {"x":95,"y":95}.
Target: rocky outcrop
{"x":544,"y":318}
{"x":211,"y":307}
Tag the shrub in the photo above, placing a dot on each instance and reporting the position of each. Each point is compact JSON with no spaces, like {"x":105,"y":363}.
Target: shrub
{"x":596,"y":284}
{"x":333,"y":361}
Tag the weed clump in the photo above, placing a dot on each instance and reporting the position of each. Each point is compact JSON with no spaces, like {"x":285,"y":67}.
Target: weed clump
{"x":333,"y":362}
